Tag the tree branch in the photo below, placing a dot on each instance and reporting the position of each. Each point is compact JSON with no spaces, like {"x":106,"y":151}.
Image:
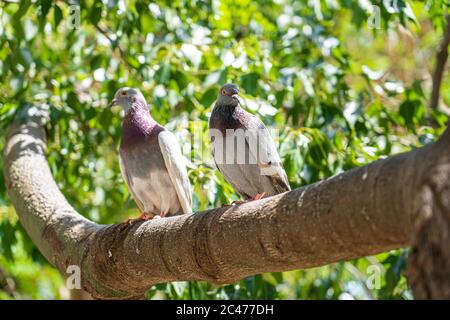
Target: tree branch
{"x":441,"y":60}
{"x":358,"y":213}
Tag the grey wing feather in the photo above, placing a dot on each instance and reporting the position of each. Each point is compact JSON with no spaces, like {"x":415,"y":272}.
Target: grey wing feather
{"x":235,"y":176}
{"x":263,"y":148}
{"x":173,"y":159}
{"x":233,"y":173}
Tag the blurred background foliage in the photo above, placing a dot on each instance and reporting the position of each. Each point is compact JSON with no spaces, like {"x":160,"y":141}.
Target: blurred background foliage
{"x":342,"y":87}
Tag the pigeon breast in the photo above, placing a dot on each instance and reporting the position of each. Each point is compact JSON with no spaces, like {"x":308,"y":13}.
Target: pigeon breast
{"x":143,"y":166}
{"x":239,"y":162}
{"x":148,"y":179}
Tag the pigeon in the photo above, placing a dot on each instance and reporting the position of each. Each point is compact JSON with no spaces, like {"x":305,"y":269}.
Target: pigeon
{"x":243,"y":150}
{"x":150,"y":160}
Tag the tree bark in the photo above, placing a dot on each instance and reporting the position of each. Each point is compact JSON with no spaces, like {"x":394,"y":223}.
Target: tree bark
{"x":429,"y":261}
{"x":441,"y":60}
{"x":361,"y":212}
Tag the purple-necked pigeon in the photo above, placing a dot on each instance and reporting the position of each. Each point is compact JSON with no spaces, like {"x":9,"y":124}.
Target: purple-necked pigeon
{"x":151,"y":161}
{"x":243,"y":149}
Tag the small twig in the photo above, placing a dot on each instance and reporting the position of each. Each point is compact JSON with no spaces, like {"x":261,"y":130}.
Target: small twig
{"x":441,"y":59}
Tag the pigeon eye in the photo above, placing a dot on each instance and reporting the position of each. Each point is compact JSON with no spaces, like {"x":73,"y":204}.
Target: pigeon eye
{"x":224,"y":92}
{"x":124,"y":93}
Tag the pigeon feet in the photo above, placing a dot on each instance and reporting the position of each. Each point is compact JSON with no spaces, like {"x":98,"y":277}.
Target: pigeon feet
{"x":142,"y":217}
{"x":161,"y":215}
{"x":259,"y":196}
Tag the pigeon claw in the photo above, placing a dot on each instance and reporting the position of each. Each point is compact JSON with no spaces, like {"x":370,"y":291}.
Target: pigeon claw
{"x":258,"y":196}
{"x":142,"y":217}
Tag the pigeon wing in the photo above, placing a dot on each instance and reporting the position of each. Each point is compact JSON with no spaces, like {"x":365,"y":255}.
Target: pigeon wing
{"x":176,"y":168}
{"x":263,"y":149}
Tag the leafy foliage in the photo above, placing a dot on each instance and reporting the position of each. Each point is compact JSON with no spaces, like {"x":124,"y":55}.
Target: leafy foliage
{"x":341,"y":93}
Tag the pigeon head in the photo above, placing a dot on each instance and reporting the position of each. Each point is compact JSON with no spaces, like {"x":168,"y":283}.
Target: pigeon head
{"x":228,"y":95}
{"x":127,"y":98}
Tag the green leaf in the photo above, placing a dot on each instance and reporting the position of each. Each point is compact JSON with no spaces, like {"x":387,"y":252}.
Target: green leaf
{"x":250,"y":83}
{"x":95,"y":12}
{"x":57,"y":16}
{"x":23,"y":8}
{"x":45,"y":7}
{"x":7,"y":239}
{"x":163,"y":74}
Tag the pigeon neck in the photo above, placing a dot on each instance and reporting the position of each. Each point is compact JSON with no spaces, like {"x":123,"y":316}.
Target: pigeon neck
{"x":138,"y":124}
{"x":228,"y":117}
{"x":228,"y":109}
{"x":137,"y":105}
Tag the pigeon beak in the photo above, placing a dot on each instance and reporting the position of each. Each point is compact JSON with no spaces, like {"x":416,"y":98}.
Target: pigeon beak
{"x":236,"y":97}
{"x":113,"y":103}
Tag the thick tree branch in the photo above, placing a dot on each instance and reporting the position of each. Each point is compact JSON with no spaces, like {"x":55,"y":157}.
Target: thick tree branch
{"x":441,"y":60}
{"x":429,"y":261}
{"x":358,"y":213}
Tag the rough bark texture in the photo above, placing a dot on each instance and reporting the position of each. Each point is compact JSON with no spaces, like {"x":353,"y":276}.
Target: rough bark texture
{"x":429,"y":261}
{"x":358,"y":213}
{"x":441,"y":60}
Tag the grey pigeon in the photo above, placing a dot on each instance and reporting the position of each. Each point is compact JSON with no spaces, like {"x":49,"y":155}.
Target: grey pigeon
{"x":243,"y":149}
{"x":151,"y":161}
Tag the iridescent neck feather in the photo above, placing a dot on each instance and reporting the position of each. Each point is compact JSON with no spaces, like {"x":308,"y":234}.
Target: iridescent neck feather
{"x":138,"y":125}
